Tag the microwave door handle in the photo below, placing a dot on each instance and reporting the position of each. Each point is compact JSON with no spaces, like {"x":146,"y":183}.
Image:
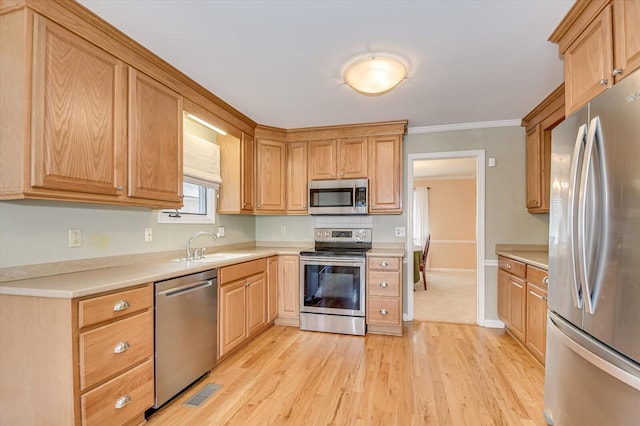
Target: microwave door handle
{"x":353,"y":197}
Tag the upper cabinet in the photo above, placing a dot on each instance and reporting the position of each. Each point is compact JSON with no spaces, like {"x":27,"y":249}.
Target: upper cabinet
{"x":89,"y":115}
{"x":237,"y":169}
{"x":338,"y":159}
{"x":155,"y":140}
{"x":297,"y":154}
{"x":385,"y":174}
{"x":539,"y":123}
{"x":271,"y":157}
{"x":600,"y":42}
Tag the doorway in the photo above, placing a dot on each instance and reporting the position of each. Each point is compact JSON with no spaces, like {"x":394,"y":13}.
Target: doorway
{"x":447,"y":204}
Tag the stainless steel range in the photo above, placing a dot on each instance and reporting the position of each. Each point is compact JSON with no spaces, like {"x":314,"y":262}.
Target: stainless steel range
{"x":332,"y":281}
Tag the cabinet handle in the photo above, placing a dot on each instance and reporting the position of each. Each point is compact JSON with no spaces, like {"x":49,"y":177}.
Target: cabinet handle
{"x":383,"y":312}
{"x":384,"y":264}
{"x":120,"y":188}
{"x":384,"y":284}
{"x":546,"y":280}
{"x":604,"y":82}
{"x":122,"y":401}
{"x":617,"y":72}
{"x":121,"y":347}
{"x":121,"y":305}
{"x":508,"y":266}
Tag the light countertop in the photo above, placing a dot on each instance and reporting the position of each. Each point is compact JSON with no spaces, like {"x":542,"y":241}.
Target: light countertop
{"x":86,"y":283}
{"x":533,"y":255}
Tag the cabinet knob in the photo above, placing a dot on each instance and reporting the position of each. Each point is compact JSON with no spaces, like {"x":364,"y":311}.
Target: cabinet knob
{"x":121,"y":347}
{"x":341,"y":173}
{"x":121,"y":305}
{"x":333,"y":175}
{"x":120,"y":188}
{"x":544,"y":298}
{"x":604,"y":82}
{"x":546,"y":280}
{"x":304,"y":205}
{"x":508,"y":266}
{"x":383,"y":312}
{"x":244,"y":205}
{"x":122,"y":401}
{"x":384,"y":284}
{"x":259,"y":206}
{"x":384,"y":264}
{"x":617,"y":71}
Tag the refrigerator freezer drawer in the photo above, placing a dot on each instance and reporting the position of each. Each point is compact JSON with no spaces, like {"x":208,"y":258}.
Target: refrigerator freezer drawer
{"x":585,"y":383}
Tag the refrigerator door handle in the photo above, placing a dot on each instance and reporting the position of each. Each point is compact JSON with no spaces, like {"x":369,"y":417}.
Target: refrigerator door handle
{"x":576,"y":161}
{"x":591,"y":357}
{"x":592,"y":150}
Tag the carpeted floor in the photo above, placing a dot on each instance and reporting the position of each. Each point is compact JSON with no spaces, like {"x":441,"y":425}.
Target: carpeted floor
{"x":450,"y":297}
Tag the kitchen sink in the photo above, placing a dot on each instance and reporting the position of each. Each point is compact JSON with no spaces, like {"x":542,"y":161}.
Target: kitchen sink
{"x":217,"y":257}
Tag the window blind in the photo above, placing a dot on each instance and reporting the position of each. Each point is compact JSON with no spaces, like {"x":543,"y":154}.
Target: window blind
{"x":201,"y":161}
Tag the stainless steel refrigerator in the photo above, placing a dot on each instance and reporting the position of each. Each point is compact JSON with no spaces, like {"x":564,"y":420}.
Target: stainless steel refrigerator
{"x":592,"y":374}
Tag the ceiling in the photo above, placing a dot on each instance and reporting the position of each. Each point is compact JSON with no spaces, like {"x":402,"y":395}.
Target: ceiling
{"x":281,"y":62}
{"x":451,"y":168}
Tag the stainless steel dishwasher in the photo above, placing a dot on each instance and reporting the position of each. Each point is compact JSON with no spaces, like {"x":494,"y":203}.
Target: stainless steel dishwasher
{"x":185,"y":332}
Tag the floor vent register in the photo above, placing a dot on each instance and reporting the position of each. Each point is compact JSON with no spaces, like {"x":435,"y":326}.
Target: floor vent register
{"x":202,"y":395}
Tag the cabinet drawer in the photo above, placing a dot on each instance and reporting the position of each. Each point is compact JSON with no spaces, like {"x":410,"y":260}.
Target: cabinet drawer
{"x":241,"y":270}
{"x":383,"y":310}
{"x":133,"y":391}
{"x":384,"y":263}
{"x":103,"y":308}
{"x":512,"y":266}
{"x":384,"y":283}
{"x":112,"y":348}
{"x":537,"y":276}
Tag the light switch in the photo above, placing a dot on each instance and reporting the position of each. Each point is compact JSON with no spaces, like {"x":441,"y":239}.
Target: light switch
{"x":492,"y":162}
{"x":221,"y":231}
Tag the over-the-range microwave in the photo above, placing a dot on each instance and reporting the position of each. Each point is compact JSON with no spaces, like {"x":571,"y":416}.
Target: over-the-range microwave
{"x":339,"y":197}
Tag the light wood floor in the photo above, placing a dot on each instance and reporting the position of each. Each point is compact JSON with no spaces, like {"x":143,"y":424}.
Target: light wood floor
{"x":436,"y":374}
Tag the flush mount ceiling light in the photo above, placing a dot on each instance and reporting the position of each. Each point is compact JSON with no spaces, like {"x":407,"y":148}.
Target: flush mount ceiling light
{"x":375,"y":75}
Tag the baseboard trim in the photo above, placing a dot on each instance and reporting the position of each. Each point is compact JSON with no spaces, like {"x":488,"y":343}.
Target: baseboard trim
{"x":492,"y":323}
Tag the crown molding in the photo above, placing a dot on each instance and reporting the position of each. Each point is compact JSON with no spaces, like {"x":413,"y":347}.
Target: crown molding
{"x":464,"y":126}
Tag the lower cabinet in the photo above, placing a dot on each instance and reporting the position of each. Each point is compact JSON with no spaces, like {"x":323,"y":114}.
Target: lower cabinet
{"x":243,"y":304}
{"x":384,"y":295}
{"x":522,"y":304}
{"x":288,"y":290}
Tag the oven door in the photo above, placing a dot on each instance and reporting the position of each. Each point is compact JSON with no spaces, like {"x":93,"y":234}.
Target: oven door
{"x":332,"y":285}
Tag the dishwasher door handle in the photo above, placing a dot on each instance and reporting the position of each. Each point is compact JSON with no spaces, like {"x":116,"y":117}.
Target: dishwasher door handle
{"x":177,"y":291}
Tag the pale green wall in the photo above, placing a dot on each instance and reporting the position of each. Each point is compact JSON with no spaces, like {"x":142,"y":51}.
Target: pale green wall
{"x":506,"y":216}
{"x":34,"y":232}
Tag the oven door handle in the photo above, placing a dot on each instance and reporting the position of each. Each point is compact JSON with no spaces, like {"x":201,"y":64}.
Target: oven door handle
{"x":332,"y":261}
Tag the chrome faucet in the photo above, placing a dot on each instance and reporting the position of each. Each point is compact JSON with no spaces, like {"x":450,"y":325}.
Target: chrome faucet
{"x":196,"y":235}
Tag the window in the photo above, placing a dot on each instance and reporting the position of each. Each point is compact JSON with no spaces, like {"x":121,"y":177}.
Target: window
{"x":199,"y":206}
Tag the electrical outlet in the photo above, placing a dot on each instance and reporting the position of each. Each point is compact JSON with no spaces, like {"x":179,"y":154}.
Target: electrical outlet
{"x":75,"y":237}
{"x":221,"y":231}
{"x":399,"y":231}
{"x":148,"y":235}
{"x":283,"y":230}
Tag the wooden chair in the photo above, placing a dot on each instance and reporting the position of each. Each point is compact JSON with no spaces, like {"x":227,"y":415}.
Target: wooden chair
{"x":423,"y":261}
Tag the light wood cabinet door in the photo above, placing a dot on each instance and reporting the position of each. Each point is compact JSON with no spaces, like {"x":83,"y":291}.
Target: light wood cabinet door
{"x":78,"y":114}
{"x":353,"y":158}
{"x":534,"y":167}
{"x":272,"y":288}
{"x":536,"y":334}
{"x":385,"y":174}
{"x":288,"y":290}
{"x":257,"y":304}
{"x":504,"y":281}
{"x":323,"y":159}
{"x":155,"y":140}
{"x":517,"y":307}
{"x":297,"y":177}
{"x":233,"y":313}
{"x":588,"y":62}
{"x":271,"y":176}
{"x":247,"y":174}
{"x":626,"y":26}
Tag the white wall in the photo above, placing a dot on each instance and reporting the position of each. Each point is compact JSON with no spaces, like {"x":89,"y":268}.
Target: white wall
{"x":33,"y":231}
